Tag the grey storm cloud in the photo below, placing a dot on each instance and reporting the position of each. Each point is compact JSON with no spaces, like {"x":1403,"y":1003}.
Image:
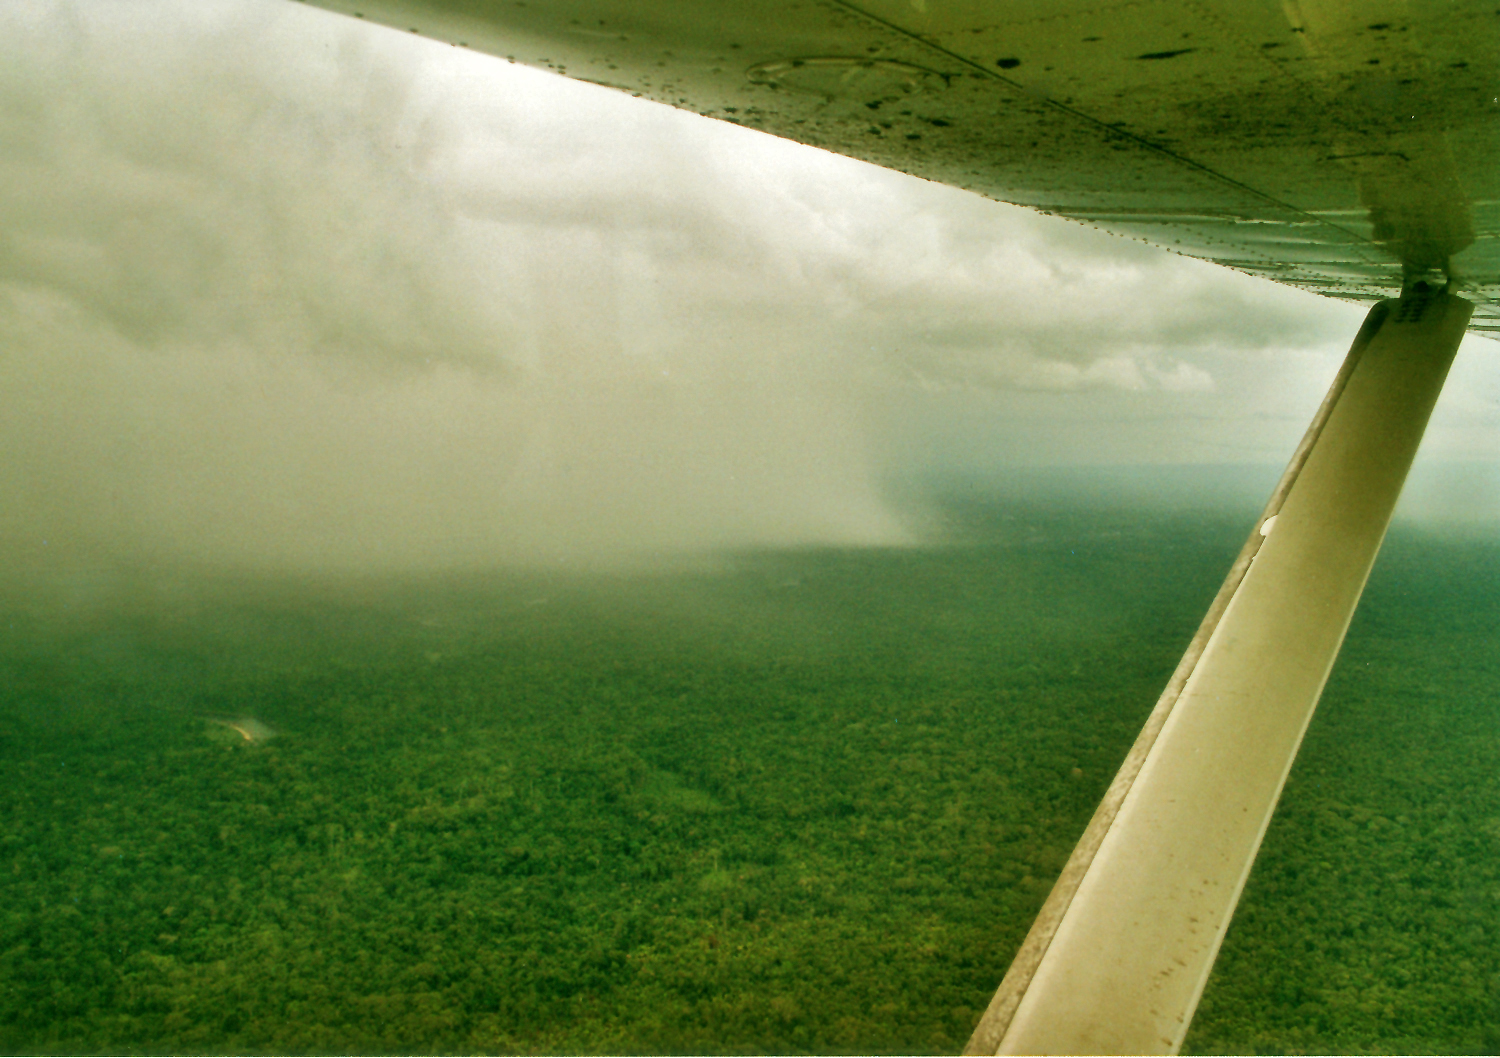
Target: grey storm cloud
{"x":281,"y":288}
{"x":213,"y":171}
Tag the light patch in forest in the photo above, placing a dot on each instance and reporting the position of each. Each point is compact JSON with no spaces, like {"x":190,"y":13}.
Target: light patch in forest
{"x":244,"y":729}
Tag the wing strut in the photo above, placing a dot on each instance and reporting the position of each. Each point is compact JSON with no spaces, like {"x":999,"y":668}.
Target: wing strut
{"x":1117,"y":959}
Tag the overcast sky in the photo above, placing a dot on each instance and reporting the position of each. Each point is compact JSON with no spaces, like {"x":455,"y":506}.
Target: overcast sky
{"x":278,"y":287}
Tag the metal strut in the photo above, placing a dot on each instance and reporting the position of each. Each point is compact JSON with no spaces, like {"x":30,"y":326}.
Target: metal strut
{"x":1119,"y":955}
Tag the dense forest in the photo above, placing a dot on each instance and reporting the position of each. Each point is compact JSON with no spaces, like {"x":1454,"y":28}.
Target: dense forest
{"x":786,"y":802}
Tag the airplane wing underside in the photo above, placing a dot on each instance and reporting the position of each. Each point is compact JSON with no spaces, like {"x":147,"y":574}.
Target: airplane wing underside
{"x":1336,"y":146}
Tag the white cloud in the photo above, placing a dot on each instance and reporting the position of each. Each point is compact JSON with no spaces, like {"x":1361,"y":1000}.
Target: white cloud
{"x":1182,"y":377}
